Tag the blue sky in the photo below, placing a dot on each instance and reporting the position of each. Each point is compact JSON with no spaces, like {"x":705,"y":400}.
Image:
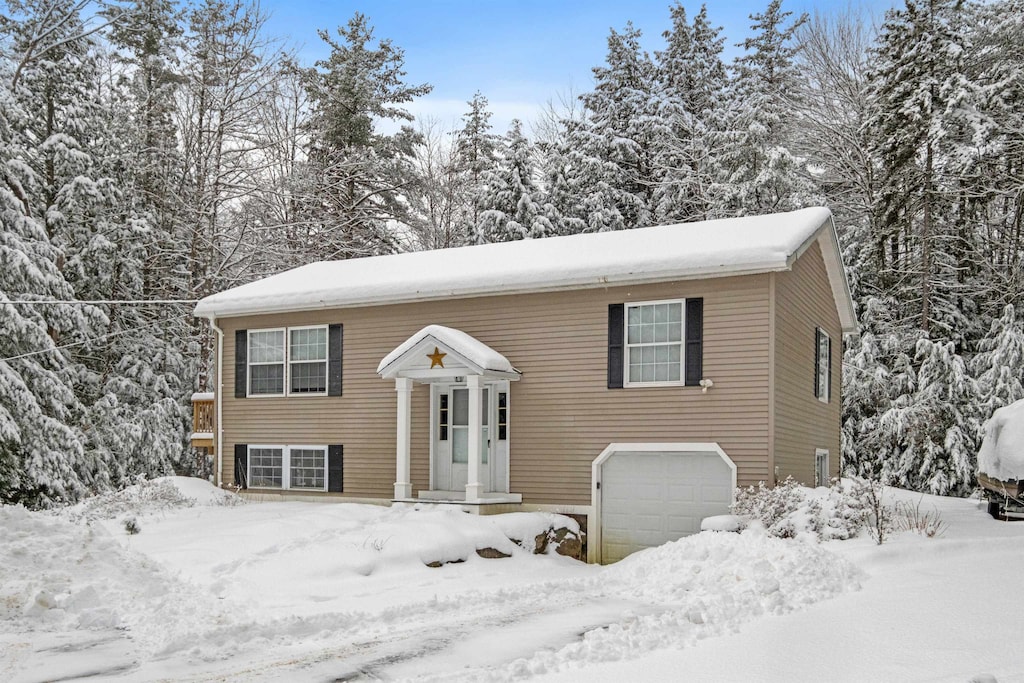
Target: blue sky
{"x":519,"y":54}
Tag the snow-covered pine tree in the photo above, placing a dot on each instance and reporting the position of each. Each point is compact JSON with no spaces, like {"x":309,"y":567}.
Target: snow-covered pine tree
{"x":558,"y":177}
{"x":131,"y":372}
{"x":476,"y":155}
{"x":359,"y":173}
{"x":985,"y":147}
{"x":611,"y":149}
{"x":760,"y":172}
{"x":694,"y":79}
{"x":934,"y":429}
{"x":511,"y":200}
{"x":917,"y":77}
{"x":42,"y":456}
{"x":999,"y":363}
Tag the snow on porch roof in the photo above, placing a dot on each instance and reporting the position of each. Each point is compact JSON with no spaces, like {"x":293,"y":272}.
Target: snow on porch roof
{"x":731,"y":246}
{"x":467,"y":346}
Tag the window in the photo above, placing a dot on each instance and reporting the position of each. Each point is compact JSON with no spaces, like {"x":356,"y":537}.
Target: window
{"x":266,"y":363}
{"x":288,"y":467}
{"x":821,"y":467}
{"x":307,"y":468}
{"x":307,"y":360}
{"x":301,"y":365}
{"x":654,"y":343}
{"x":442,"y":417}
{"x":502,"y":416}
{"x":822,"y":365}
{"x":266,"y":467}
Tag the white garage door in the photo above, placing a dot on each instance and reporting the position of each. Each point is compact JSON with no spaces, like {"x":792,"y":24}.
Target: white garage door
{"x":652,"y":497}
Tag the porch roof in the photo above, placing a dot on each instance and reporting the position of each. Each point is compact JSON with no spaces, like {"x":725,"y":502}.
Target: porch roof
{"x":460,"y":354}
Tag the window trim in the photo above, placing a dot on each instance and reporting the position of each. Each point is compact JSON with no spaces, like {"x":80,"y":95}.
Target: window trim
{"x":626,"y":383}
{"x":286,"y":467}
{"x":249,"y":363}
{"x":322,"y":449}
{"x":287,"y":363}
{"x":824,"y":373}
{"x":248,"y":466}
{"x":821,"y":454}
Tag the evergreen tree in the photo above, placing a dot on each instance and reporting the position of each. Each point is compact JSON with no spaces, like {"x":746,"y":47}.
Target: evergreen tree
{"x":917,"y":76}
{"x":476,"y":155}
{"x":934,"y":430}
{"x":511,"y":196}
{"x":612,"y":148}
{"x":42,"y":456}
{"x":999,"y":365}
{"x":760,"y":172}
{"x":694,"y":81}
{"x":359,"y":174}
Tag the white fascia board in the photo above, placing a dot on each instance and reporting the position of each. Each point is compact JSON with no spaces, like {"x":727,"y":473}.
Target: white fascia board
{"x":245,"y":308}
{"x":828,"y":241}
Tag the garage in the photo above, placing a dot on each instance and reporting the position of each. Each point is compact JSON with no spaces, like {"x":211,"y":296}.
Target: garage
{"x":648,"y":494}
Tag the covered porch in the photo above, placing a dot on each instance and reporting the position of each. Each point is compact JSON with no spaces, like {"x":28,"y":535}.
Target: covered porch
{"x":469,"y":385}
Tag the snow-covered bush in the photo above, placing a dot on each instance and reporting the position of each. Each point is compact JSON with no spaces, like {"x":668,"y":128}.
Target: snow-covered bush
{"x":877,"y":516}
{"x":790,"y":509}
{"x":147,"y":496}
{"x":131,"y":526}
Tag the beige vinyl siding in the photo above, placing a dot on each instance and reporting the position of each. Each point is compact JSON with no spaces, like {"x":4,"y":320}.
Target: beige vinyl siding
{"x":804,"y":301}
{"x":561,"y":415}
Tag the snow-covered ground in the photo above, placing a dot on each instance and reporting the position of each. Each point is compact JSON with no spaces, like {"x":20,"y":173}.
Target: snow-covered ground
{"x":212,"y":590}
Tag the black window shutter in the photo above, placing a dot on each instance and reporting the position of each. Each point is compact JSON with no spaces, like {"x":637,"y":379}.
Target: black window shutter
{"x":817,"y":361}
{"x":694,"y":370}
{"x":828,"y":397}
{"x":241,"y":364}
{"x":335,"y":342}
{"x":241,"y":465}
{"x":616,"y":339}
{"x":336,"y":468}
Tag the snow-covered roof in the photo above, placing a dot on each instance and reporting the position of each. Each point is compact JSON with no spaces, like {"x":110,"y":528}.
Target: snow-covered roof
{"x":731,"y":246}
{"x":1002,"y":450}
{"x":470,"y":351}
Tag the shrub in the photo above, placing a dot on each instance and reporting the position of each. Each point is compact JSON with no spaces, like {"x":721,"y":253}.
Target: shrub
{"x":909,"y":517}
{"x":790,"y":509}
{"x":131,"y":525}
{"x":877,"y":515}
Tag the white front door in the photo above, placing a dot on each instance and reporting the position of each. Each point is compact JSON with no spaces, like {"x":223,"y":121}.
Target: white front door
{"x":451,"y":437}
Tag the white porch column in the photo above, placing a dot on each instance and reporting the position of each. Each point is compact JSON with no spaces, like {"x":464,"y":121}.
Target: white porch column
{"x":403,"y":485}
{"x":475,"y":385}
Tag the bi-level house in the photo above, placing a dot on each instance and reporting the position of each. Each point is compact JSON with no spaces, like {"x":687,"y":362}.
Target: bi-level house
{"x":632,"y":379}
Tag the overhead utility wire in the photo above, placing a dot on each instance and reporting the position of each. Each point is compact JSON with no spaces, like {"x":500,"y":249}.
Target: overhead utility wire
{"x":91,"y":339}
{"x":100,"y":302}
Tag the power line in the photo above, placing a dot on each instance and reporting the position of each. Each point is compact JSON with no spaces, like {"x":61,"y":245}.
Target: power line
{"x":101,"y":302}
{"x":90,"y":340}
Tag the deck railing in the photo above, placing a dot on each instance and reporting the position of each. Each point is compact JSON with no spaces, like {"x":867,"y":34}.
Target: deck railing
{"x":203,"y":420}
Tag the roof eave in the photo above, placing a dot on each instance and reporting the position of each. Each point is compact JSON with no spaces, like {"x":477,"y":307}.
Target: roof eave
{"x":238,"y":311}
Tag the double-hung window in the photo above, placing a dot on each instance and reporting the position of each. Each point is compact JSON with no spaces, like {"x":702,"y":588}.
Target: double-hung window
{"x":288,"y":467}
{"x":266,"y":362}
{"x":307,"y":360}
{"x":289,"y":361}
{"x":654,"y":343}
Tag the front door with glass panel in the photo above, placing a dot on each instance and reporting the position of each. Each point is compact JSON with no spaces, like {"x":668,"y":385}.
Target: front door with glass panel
{"x":460,"y":439}
{"x":451,"y":437}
